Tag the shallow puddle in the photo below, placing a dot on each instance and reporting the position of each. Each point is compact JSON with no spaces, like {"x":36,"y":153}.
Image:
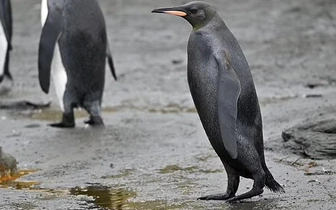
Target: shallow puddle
{"x":105,"y":196}
{"x":10,"y":181}
{"x":53,"y":115}
{"x":120,"y":199}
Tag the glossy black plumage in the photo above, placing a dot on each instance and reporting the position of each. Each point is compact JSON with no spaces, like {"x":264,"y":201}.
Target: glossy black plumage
{"x":223,"y":91}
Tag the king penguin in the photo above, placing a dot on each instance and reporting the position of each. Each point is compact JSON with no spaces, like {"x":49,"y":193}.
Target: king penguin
{"x":5,"y":38}
{"x":223,"y":92}
{"x":73,"y":49}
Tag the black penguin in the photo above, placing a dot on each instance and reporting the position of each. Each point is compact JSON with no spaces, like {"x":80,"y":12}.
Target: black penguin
{"x":75,"y":31}
{"x":223,"y":91}
{"x":6,"y":30}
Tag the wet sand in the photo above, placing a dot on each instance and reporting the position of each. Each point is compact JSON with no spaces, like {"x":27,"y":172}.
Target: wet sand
{"x":153,"y":153}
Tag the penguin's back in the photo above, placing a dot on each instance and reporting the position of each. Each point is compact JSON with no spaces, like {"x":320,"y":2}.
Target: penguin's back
{"x":83,"y":15}
{"x":83,"y":44}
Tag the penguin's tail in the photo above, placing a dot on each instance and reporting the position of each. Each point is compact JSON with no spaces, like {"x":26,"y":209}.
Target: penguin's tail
{"x":271,"y":184}
{"x":110,"y":61}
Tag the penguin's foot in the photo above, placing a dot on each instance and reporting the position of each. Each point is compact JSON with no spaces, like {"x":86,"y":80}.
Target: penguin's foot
{"x":95,"y":121}
{"x":62,"y":125}
{"x":68,"y":121}
{"x":249,"y":194}
{"x":225,"y":196}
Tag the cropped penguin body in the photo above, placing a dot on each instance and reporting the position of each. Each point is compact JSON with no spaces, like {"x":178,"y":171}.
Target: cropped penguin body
{"x":73,"y":48}
{"x":223,"y":91}
{"x":6,"y":30}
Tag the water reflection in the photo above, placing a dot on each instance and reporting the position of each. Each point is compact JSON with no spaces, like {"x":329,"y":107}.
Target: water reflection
{"x":10,"y":181}
{"x":106,"y":197}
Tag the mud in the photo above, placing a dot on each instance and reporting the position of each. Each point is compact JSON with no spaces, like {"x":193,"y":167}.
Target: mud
{"x":153,"y":152}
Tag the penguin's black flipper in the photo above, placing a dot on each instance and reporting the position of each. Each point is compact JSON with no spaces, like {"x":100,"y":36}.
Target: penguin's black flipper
{"x":228,"y":93}
{"x":50,"y":33}
{"x":110,"y":61}
{"x":6,"y":20}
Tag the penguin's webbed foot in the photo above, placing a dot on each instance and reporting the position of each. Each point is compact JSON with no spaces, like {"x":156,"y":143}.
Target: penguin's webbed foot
{"x":68,"y":121}
{"x":225,"y":196}
{"x":95,"y":121}
{"x":62,"y":125}
{"x":249,"y":194}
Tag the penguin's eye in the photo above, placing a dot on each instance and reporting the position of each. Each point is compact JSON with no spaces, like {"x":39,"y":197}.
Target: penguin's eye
{"x":193,"y":11}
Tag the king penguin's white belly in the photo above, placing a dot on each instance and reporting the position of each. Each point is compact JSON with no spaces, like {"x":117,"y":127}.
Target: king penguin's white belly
{"x":3,"y":48}
{"x":58,"y":73}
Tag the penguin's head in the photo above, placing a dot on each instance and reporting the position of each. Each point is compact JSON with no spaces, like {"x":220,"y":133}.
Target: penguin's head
{"x":197,"y":13}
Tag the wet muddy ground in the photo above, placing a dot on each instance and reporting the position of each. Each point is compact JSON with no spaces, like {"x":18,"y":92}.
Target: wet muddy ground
{"x":153,"y":153}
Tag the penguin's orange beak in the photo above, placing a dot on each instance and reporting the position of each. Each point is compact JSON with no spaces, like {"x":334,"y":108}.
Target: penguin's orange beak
{"x":176,"y":13}
{"x":170,"y":11}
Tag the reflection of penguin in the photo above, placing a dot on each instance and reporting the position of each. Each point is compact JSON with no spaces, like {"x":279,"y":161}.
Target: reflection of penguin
{"x":223,"y":91}
{"x":75,"y":31}
{"x":5,"y":38}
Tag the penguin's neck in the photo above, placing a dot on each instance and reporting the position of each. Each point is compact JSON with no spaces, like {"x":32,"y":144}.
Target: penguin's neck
{"x":205,"y":21}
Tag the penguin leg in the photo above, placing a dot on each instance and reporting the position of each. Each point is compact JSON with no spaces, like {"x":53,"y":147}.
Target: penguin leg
{"x":68,"y":121}
{"x":6,"y":69}
{"x":257,"y":189}
{"x":68,"y":118}
{"x":233,"y":182}
{"x":6,"y":72}
{"x":93,"y":108}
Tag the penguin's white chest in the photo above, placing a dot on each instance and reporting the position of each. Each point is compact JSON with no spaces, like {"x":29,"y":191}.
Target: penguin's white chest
{"x":58,"y":73}
{"x":44,"y":11}
{"x":3,"y":48}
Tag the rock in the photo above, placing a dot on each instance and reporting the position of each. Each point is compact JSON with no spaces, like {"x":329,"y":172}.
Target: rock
{"x":316,"y":140}
{"x":8,"y":164}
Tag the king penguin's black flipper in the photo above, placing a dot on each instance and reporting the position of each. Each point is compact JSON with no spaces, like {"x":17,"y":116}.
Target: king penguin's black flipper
{"x":110,"y":61}
{"x":228,"y":93}
{"x":50,"y":33}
